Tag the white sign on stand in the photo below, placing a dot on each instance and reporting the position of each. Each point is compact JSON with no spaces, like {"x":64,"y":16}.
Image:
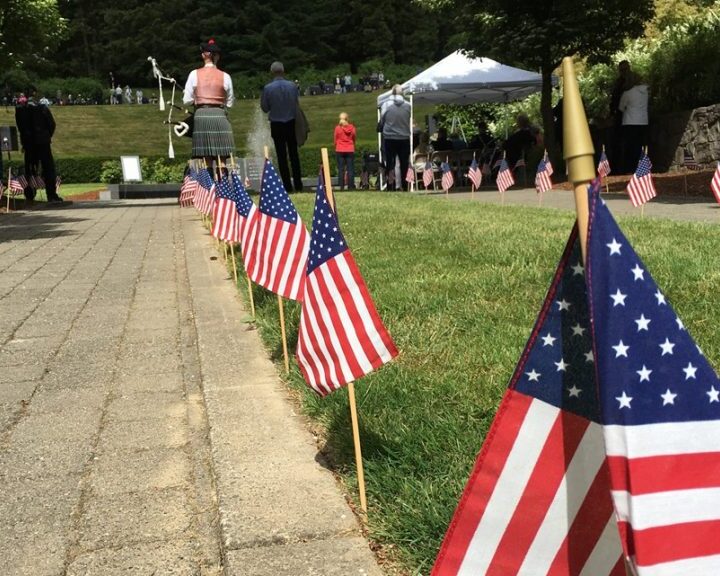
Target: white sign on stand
{"x":131,"y":168}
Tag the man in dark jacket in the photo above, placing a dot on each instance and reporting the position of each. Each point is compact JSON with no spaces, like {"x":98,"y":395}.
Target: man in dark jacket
{"x":36,"y":125}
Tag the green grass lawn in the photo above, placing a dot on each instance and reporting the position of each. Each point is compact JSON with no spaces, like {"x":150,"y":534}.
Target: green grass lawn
{"x":459,"y":285}
{"x":131,"y":129}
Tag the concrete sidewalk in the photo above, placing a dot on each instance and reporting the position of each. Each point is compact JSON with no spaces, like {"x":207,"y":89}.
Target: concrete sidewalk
{"x":684,"y":208}
{"x":143,"y":429}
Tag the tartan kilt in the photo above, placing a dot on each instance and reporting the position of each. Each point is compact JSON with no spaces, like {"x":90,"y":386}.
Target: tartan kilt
{"x":212,"y":134}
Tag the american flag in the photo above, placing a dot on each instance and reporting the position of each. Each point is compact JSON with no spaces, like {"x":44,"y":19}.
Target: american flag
{"x":538,"y":499}
{"x":641,"y":187}
{"x":715,"y":184}
{"x":226,"y":223}
{"x":689,"y":161}
{"x":660,"y":406}
{"x":58,"y":183}
{"x":37,"y":182}
{"x":247,"y":225}
{"x":504,"y":176}
{"x":603,"y":167}
{"x":248,"y":184}
{"x":486,"y":170}
{"x":410,"y":175}
{"x":520,"y":163}
{"x":282,"y":240}
{"x":188,"y":188}
{"x":341,"y":336}
{"x":474,"y":174}
{"x":390,"y":177}
{"x":428,"y":174}
{"x":17,"y":185}
{"x":205,"y":194}
{"x":447,"y":176}
{"x":543,"y":183}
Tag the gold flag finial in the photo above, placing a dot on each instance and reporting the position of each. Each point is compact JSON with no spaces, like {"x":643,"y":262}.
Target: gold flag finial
{"x":579,"y":152}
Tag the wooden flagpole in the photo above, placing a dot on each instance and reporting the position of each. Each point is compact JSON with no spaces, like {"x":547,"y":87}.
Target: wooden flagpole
{"x":281,"y":307}
{"x":351,"y":385}
{"x":579,"y":155}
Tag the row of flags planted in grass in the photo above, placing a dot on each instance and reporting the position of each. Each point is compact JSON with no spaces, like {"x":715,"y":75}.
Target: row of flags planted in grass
{"x":19,"y":182}
{"x":341,"y":336}
{"x":604,"y":453}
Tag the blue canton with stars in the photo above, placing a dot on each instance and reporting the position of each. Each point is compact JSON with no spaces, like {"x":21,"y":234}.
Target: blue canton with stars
{"x":326,"y":240}
{"x":243,"y":202}
{"x":225,"y":190}
{"x":557,"y":366}
{"x":649,"y":367}
{"x":205,"y":179}
{"x":274,"y":199}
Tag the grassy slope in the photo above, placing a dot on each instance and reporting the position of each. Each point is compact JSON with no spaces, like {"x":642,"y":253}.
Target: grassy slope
{"x":459,"y":285}
{"x":116,"y":130}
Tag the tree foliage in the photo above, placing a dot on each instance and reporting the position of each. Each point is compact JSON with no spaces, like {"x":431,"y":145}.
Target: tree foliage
{"x":30,"y":30}
{"x":537,"y":34}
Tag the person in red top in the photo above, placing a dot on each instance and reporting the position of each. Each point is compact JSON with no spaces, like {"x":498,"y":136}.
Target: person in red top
{"x":345,"y":151}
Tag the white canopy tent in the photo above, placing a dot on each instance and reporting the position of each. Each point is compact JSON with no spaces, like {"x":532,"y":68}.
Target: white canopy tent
{"x":460,"y":79}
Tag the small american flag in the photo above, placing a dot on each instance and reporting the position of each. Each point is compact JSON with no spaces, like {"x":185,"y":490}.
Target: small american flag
{"x":282,"y":240}
{"x":641,"y":188}
{"x":205,"y":194}
{"x":188,"y":189}
{"x":58,"y":183}
{"x":247,"y":225}
{"x":504,"y":177}
{"x":660,"y":407}
{"x":689,"y":161}
{"x":447,"y":176}
{"x":341,"y":336}
{"x":538,"y":499}
{"x":543,"y":183}
{"x":715,"y":184}
{"x":486,"y":170}
{"x":226,"y":223}
{"x":17,"y":185}
{"x":410,"y":175}
{"x":248,"y":184}
{"x":498,"y":163}
{"x":428,"y":174}
{"x":390,"y":177}
{"x":37,"y":182}
{"x":474,"y":174}
{"x":520,"y":163}
{"x":603,"y":167}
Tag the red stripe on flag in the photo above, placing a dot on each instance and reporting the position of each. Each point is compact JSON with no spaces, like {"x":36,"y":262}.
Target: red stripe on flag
{"x":664,"y":473}
{"x":675,"y":542}
{"x":587,"y":527}
{"x":549,"y":471}
{"x":483,"y":480}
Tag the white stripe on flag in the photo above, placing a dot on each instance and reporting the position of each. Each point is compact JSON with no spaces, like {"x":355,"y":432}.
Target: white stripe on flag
{"x":667,"y":508}
{"x":661,"y":439}
{"x":579,"y":476}
{"x":510,"y":486}
{"x":692,"y":567}
{"x":606,"y":552}
{"x":301,"y":247}
{"x":279,"y":262}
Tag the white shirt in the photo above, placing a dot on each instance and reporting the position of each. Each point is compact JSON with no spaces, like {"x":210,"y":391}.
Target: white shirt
{"x":634,"y":106}
{"x":191,"y":84}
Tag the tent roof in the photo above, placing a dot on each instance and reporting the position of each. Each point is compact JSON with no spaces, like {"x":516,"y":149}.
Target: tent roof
{"x":459,"y":79}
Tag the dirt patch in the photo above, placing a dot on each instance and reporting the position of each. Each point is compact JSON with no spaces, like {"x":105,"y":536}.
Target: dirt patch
{"x":688,"y":183}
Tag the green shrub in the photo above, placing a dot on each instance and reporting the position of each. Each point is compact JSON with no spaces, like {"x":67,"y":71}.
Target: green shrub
{"x":87,"y":88}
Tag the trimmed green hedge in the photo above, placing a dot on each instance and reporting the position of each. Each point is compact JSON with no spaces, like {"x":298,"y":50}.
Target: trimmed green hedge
{"x":159,"y":168}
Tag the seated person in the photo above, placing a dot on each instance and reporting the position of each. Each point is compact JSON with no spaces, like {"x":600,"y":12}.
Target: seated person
{"x":457,"y":142}
{"x":483,"y":139}
{"x":422,"y":152}
{"x":442,"y":143}
{"x":521,"y":141}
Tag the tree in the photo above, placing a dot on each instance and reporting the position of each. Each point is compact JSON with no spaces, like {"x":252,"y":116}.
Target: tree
{"x":537,"y":34}
{"x":30,"y":30}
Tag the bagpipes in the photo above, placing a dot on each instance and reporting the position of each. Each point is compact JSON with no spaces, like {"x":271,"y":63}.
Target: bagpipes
{"x":181,"y":128}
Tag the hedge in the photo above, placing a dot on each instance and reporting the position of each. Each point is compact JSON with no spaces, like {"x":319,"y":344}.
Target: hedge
{"x":81,"y":169}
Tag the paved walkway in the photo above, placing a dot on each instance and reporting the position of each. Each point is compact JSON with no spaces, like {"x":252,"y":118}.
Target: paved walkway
{"x":688,"y":208}
{"x":142,"y":428}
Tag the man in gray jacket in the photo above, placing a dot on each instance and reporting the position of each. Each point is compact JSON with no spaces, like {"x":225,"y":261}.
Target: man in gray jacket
{"x":395,"y":120}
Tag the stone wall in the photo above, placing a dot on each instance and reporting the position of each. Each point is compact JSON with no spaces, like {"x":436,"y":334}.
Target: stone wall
{"x":696,"y":130}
